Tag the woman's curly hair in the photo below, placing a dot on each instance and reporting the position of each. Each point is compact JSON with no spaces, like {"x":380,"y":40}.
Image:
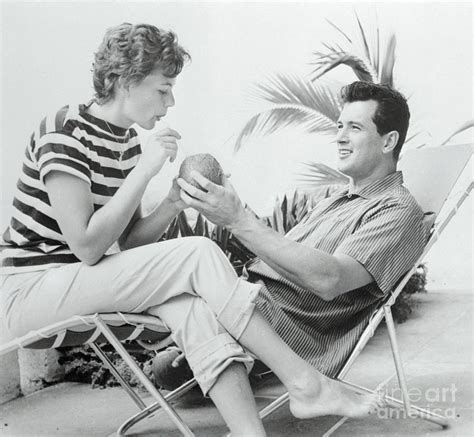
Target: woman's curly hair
{"x":130,"y":52}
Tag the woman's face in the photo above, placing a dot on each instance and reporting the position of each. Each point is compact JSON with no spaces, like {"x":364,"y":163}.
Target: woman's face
{"x":147,"y":102}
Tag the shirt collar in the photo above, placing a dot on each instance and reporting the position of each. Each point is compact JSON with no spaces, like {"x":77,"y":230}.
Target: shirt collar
{"x":393,"y":180}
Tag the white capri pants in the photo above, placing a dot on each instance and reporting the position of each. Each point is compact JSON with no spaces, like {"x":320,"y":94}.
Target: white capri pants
{"x":189,"y":282}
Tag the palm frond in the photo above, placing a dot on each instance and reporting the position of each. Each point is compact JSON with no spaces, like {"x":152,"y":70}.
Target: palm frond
{"x":360,"y":53}
{"x":377,"y":52}
{"x":317,"y":174}
{"x":295,"y":101}
{"x":465,"y":126}
{"x":326,"y":62}
{"x":386,"y":75}
{"x":340,"y":31}
{"x":363,"y":37}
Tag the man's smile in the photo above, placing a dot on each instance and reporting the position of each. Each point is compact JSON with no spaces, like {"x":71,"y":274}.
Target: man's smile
{"x":343,"y":153}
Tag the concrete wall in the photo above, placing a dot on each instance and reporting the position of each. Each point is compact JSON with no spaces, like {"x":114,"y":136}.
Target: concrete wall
{"x":26,"y":371}
{"x":9,"y":377}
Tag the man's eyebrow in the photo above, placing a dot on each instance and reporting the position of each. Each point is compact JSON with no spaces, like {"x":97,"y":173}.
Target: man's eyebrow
{"x":350,"y":122}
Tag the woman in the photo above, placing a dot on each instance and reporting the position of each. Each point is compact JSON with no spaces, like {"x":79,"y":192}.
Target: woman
{"x":79,"y":193}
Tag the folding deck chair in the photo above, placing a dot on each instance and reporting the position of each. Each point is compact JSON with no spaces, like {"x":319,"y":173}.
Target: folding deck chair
{"x":430,"y":174}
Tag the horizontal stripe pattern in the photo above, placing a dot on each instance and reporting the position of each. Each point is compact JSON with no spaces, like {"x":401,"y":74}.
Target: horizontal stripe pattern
{"x":381,"y":227}
{"x":73,"y":142}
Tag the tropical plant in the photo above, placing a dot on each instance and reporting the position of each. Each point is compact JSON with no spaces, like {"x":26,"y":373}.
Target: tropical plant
{"x":313,"y":105}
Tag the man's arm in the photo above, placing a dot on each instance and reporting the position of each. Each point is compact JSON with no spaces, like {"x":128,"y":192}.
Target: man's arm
{"x":326,"y":275}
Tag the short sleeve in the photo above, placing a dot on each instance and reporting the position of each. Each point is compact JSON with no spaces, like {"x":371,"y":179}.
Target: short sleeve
{"x":387,"y":243}
{"x":57,"y":151}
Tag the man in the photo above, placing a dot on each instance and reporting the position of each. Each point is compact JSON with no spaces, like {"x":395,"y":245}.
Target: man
{"x":324,"y":278}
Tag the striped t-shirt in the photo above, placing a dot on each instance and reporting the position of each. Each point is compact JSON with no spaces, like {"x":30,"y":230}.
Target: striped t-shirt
{"x":381,"y":227}
{"x":71,"y":141}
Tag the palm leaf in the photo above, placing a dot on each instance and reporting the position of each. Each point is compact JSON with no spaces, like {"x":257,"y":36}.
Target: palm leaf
{"x":386,"y":76}
{"x":295,"y":102}
{"x":199,"y":226}
{"x":327,"y":62}
{"x":367,"y":51}
{"x":465,"y":126}
{"x":377,"y":52}
{"x":184,"y":227}
{"x":320,"y":174}
{"x":363,"y":58}
{"x":340,"y":31}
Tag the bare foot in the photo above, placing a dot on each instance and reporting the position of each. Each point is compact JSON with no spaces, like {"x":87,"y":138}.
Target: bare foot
{"x":330,"y":397}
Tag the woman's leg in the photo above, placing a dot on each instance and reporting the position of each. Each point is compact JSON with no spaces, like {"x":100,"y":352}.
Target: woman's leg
{"x":220,"y":365}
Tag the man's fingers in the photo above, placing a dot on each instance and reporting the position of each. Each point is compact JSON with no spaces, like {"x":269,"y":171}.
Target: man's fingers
{"x":204,"y":182}
{"x":191,"y":189}
{"x":190,"y":201}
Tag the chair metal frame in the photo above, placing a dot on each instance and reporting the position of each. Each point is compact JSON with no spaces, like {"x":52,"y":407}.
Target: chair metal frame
{"x":102,"y":328}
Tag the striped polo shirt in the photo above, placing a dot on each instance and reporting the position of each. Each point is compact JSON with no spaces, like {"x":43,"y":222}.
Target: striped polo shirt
{"x":74,"y":142}
{"x":382,"y":227}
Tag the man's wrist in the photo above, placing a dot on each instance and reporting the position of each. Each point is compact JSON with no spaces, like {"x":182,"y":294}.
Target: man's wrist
{"x":242,"y":223}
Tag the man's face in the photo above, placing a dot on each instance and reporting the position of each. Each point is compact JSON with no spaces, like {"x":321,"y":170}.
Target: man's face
{"x":360,"y":147}
{"x":148,"y":101}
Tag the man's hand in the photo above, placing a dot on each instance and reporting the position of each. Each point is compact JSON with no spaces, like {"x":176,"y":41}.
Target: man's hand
{"x":180,"y":359}
{"x":220,"y":204}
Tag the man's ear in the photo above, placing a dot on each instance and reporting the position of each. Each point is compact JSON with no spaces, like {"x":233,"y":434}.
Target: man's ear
{"x":391,"y":140}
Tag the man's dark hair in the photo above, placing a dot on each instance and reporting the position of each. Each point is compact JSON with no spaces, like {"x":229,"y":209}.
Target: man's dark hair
{"x":392,"y":113}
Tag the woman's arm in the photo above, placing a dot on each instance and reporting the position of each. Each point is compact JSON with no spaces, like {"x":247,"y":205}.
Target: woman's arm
{"x":89,"y":234}
{"x":146,"y":230}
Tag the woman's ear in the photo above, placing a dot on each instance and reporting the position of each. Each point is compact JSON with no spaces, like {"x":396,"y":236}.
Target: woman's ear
{"x":121,"y":87}
{"x":391,"y":140}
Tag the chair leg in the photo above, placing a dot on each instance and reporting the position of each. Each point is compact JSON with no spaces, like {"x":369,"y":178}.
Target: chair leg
{"x":397,"y":359}
{"x":274,"y":405}
{"x":141,"y":376}
{"x":125,"y":385}
{"x":148,"y":411}
{"x":410,"y":410}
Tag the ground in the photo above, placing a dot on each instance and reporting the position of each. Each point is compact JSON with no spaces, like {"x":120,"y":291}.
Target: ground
{"x":436,"y":347}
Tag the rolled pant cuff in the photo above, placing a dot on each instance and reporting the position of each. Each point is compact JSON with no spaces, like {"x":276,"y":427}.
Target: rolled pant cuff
{"x":213,"y":357}
{"x":238,"y":308}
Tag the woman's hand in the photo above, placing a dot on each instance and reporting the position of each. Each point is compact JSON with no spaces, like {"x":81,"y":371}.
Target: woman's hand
{"x":174,"y":197}
{"x":161,"y":145}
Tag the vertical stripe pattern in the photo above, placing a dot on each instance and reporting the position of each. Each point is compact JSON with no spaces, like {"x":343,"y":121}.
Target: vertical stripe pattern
{"x":381,"y":227}
{"x":73,"y":142}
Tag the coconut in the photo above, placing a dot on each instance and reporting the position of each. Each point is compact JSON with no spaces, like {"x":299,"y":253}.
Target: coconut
{"x":203,"y":163}
{"x":166,"y":376}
